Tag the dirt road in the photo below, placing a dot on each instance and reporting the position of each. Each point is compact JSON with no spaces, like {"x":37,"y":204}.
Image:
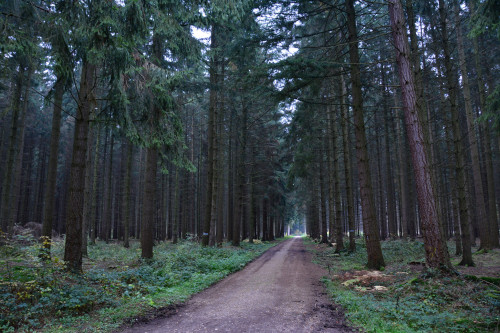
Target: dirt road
{"x":279,"y":292}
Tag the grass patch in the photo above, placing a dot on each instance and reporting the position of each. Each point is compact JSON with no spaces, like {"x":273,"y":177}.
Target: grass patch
{"x":406,"y":298}
{"x":117,"y":285}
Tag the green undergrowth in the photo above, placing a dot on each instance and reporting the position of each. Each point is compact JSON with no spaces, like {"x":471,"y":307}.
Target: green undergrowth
{"x":409,"y":298}
{"x":116,"y":287}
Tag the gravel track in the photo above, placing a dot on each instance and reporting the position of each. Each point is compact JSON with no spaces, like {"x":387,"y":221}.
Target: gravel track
{"x":278,"y":292}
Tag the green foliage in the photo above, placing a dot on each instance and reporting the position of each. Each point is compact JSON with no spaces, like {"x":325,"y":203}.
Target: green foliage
{"x":486,"y":18}
{"x":492,"y":113}
{"x":414,"y":302}
{"x":116,"y":286}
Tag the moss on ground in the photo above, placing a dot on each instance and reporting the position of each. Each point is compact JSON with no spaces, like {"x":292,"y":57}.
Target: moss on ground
{"x":406,"y":297}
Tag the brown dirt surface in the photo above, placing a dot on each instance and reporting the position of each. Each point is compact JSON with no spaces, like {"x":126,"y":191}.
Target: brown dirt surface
{"x":487,"y":264}
{"x":278,"y":292}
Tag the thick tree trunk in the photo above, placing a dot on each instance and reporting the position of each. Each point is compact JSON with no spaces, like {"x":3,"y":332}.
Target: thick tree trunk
{"x":435,"y":246}
{"x":75,"y":197}
{"x":370,"y":224}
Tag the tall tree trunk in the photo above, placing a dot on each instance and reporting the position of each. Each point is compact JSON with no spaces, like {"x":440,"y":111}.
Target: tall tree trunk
{"x":380,"y":176}
{"x":335,"y":212}
{"x":391,"y":199}
{"x":18,"y":167}
{"x":251,"y":200}
{"x":230,"y":184}
{"x":435,"y":246}
{"x":126,"y":194}
{"x":370,"y":224}
{"x":74,"y":217}
{"x":265,"y":226}
{"x":484,"y":226}
{"x":492,"y":209}
{"x":50,"y":185}
{"x":175,"y":212}
{"x":11,"y":154}
{"x":148,"y":204}
{"x":93,"y":196}
{"x":474,"y":150}
{"x":322,"y":195}
{"x":331,"y":164}
{"x":241,"y":177}
{"x":457,"y":140}
{"x":107,"y":212}
{"x":87,"y":200}
{"x":149,"y":194}
{"x":344,"y":123}
{"x":219,"y":228}
{"x":215,"y":60}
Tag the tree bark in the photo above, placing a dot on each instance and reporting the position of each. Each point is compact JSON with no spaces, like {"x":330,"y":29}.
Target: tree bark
{"x":322,"y":196}
{"x":87,"y":200}
{"x":344,"y":123}
{"x":11,"y":154}
{"x":18,"y":167}
{"x":435,"y":246}
{"x":50,"y":185}
{"x":175,"y":212}
{"x":370,"y":224}
{"x":251,"y":200}
{"x":74,"y":217}
{"x":148,"y":204}
{"x":126,"y":194}
{"x":93,"y":196}
{"x":107,"y":211}
{"x":485,"y":234}
{"x":331,"y":163}
{"x":211,"y":137}
{"x":474,"y":150}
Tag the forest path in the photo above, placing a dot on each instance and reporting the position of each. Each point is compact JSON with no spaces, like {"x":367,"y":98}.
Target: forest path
{"x":280,"y":291}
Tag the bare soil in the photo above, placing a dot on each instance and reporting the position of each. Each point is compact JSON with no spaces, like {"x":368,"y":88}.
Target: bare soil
{"x":278,"y":292}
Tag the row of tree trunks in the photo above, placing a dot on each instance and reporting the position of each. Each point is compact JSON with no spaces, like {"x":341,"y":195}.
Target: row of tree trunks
{"x":12,"y":151}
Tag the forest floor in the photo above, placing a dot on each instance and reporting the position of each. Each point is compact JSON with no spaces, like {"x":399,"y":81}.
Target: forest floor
{"x":280,"y":291}
{"x":407,"y":297}
{"x":116,"y":287}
